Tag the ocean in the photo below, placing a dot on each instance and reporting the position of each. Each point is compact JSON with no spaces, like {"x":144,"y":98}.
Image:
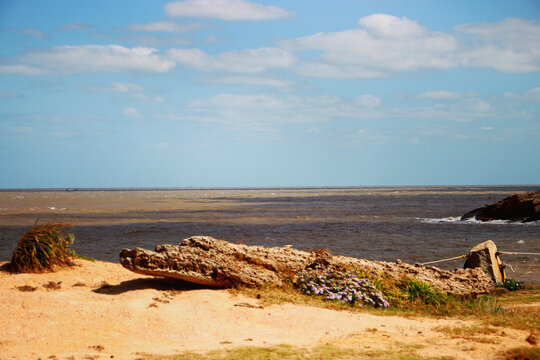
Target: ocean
{"x":414,"y":224}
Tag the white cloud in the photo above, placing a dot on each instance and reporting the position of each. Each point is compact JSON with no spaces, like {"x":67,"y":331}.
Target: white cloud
{"x":533,"y":93}
{"x":131,"y":112}
{"x":211,"y":39}
{"x":144,"y":39}
{"x":64,"y":60}
{"x":76,"y":26}
{"x":460,"y":110}
{"x":141,"y":97}
{"x":165,"y":26}
{"x":446,"y":95}
{"x":232,"y":10}
{"x":33,"y":32}
{"x":19,"y":69}
{"x":233,"y":108}
{"x":385,"y":44}
{"x":9,"y":94}
{"x":273,"y":81}
{"x":281,"y":109}
{"x":388,"y":26}
{"x":368,"y":101}
{"x":245,"y":61}
{"x":124,"y":87}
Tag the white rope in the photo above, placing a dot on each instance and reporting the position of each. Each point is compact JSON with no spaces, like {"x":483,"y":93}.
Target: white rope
{"x":462,"y":256}
{"x":437,"y":261}
{"x":516,"y":253}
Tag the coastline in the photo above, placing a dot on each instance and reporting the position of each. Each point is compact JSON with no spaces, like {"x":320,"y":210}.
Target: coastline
{"x":101,"y":310}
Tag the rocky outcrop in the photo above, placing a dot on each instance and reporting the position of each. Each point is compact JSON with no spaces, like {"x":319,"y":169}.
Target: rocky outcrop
{"x":524,"y":207}
{"x":207,"y":261}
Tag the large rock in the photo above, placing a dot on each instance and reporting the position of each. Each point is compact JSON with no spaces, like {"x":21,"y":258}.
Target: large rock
{"x":207,"y":261}
{"x":485,"y":256}
{"x":523,"y":207}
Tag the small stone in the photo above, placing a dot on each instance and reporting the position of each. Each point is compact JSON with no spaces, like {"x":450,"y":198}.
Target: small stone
{"x":532,"y":339}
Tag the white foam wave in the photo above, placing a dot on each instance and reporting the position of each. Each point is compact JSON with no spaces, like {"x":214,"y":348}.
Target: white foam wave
{"x":457,"y":220}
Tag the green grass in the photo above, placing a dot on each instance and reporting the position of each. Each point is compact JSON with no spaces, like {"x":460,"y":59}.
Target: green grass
{"x":288,"y":352}
{"x":420,"y":291}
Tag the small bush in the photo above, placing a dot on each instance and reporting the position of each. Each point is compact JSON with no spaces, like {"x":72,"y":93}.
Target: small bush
{"x":346,"y":287}
{"x":421,"y":291}
{"x":511,"y":284}
{"x":41,"y":248}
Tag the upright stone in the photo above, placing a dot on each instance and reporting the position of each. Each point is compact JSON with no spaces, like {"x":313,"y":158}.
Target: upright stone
{"x":485,"y":256}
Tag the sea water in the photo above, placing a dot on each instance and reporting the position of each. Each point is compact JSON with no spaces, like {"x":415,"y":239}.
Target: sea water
{"x":413,"y":224}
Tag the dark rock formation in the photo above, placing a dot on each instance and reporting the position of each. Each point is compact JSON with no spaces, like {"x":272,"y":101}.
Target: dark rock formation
{"x":523,"y":207}
{"x":205,"y":260}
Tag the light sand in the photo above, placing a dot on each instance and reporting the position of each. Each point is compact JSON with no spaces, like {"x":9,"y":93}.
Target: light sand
{"x":102,"y":310}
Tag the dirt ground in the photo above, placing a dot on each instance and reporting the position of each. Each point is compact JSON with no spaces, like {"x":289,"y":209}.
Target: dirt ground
{"x":99,"y":310}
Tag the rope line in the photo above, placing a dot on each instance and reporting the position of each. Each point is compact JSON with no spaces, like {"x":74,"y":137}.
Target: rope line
{"x":517,"y":253}
{"x":437,"y":261}
{"x":462,"y":256}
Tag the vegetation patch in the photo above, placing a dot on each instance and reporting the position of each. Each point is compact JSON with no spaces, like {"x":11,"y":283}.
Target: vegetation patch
{"x":511,"y":284}
{"x":41,"y":248}
{"x":287,"y":352}
{"x":513,"y":309}
{"x":477,"y":333}
{"x":26,"y":288}
{"x":345,"y":287}
{"x":421,"y":291}
{"x":521,"y":353}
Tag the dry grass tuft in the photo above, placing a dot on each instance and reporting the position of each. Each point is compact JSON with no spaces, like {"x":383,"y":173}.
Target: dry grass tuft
{"x":42,"y":248}
{"x":521,"y":353}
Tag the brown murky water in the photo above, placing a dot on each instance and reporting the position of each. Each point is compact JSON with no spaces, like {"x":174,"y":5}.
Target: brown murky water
{"x":414,"y":224}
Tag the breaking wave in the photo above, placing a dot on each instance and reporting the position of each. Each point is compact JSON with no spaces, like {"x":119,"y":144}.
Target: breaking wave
{"x":457,"y":220}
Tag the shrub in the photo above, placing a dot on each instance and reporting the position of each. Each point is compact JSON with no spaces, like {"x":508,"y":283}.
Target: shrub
{"x":41,"y":248}
{"x":421,"y":291}
{"x":346,"y":287}
{"x":511,"y":284}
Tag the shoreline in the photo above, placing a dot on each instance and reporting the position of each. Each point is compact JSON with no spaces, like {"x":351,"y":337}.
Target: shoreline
{"x":101,"y":310}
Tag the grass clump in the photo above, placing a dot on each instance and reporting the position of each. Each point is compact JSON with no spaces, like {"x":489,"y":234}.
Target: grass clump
{"x":521,"y":353}
{"x":41,"y":248}
{"x":417,"y":290}
{"x":288,"y":352}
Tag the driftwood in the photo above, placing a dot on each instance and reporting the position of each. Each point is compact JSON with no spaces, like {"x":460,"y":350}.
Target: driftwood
{"x":207,"y":261}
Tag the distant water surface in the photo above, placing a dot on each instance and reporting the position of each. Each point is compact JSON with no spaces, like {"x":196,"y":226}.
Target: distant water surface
{"x":414,"y":224}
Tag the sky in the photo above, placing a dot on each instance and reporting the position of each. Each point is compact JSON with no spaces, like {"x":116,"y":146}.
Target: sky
{"x":236,"y":93}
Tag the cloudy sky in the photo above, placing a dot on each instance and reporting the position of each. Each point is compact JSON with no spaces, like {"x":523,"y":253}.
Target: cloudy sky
{"x":150,"y":93}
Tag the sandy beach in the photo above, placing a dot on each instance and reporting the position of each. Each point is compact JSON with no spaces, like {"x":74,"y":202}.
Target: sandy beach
{"x":99,"y":310}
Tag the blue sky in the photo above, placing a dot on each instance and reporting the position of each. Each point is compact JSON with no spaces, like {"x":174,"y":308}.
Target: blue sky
{"x":149,"y":93}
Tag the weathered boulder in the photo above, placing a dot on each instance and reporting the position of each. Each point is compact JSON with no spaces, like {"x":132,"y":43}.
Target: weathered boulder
{"x":207,"y":261}
{"x":523,"y":207}
{"x":485,"y":256}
